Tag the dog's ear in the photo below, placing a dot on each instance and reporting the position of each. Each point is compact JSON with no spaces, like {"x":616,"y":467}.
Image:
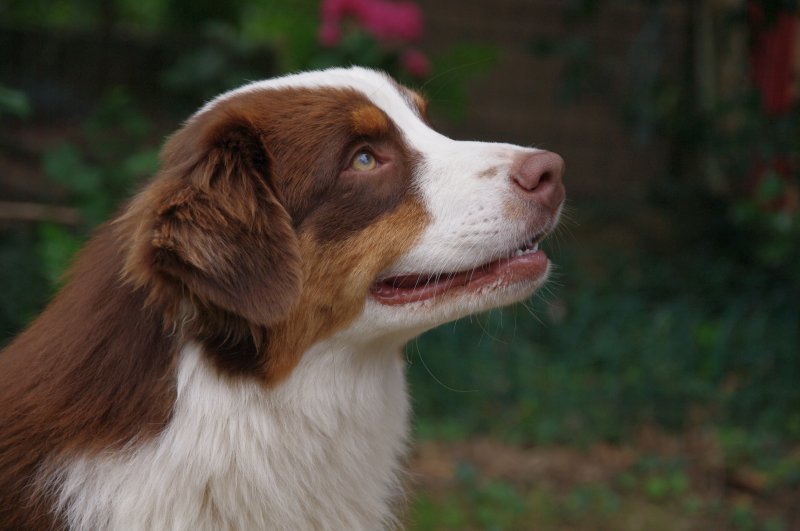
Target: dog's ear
{"x":219,"y":229}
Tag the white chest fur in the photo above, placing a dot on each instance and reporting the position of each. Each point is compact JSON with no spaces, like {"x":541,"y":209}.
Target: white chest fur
{"x":319,"y":451}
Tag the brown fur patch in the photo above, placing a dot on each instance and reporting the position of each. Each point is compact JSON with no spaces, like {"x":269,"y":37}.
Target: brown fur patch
{"x":94,"y":370}
{"x":211,"y":227}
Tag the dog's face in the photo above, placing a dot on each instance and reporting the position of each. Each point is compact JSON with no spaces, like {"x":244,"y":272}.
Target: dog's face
{"x":324,"y":203}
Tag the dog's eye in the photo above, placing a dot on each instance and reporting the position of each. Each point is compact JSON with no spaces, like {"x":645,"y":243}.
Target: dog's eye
{"x":364,"y":161}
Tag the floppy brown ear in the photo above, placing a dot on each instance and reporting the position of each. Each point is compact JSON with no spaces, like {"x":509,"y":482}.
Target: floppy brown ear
{"x":219,"y":230}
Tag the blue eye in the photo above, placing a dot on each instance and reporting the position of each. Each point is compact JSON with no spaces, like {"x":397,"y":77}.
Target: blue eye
{"x":363,"y":161}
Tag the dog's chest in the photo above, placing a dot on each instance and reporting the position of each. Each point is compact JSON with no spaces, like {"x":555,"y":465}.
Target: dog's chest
{"x":320,"y":451}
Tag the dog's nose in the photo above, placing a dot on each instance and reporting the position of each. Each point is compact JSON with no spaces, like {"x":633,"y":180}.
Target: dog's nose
{"x":539,"y":175}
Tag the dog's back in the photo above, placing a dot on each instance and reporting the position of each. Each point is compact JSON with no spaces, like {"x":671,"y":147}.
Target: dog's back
{"x":92,"y":372}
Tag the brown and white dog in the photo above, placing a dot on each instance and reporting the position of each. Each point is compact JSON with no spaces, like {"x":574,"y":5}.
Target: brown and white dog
{"x":227,"y":352}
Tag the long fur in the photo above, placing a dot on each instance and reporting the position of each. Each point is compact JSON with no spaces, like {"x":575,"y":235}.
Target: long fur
{"x":219,"y":358}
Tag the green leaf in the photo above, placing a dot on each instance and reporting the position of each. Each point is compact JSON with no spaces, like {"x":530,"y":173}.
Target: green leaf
{"x":64,"y":165}
{"x":56,"y":248}
{"x":14,"y":102}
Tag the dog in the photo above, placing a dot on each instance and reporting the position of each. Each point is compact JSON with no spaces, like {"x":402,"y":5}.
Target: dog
{"x":227,"y":351}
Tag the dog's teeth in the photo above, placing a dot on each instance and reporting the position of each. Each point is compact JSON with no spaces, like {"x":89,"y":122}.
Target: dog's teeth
{"x":526,"y":248}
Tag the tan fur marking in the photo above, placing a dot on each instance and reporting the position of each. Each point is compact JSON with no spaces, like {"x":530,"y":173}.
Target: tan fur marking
{"x":369,"y":120}
{"x":421,"y":103}
{"x":489,"y":172}
{"x":415,"y":99}
{"x":336,"y":284}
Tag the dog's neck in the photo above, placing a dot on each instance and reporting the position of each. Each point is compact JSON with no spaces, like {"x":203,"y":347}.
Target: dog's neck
{"x":321,"y":450}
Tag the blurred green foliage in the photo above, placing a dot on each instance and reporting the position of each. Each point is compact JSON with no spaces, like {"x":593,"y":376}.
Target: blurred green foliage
{"x":25,"y":283}
{"x":704,"y":335}
{"x":654,"y":493}
{"x":13,"y":102}
{"x":489,"y":505}
{"x":97,"y":175}
{"x":111,"y":158}
{"x":668,"y":340}
{"x":707,"y":333}
{"x":725,"y":147}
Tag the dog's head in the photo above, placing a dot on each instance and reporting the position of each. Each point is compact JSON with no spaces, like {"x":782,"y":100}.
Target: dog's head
{"x":324,"y":203}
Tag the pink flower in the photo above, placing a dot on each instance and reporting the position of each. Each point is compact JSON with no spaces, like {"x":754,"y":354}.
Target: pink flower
{"x":329,"y":34}
{"x":416,"y":63}
{"x":391,"y":21}
{"x":332,"y":10}
{"x":386,"y":20}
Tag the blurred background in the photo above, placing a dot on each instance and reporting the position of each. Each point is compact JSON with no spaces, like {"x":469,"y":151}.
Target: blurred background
{"x":655,"y":383}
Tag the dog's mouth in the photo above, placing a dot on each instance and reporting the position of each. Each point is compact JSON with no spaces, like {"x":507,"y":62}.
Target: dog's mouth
{"x":525,"y":263}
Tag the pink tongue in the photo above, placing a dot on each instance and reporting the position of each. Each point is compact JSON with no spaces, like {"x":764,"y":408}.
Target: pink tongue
{"x":407,"y":281}
{"x":417,"y":281}
{"x":446,"y":280}
{"x":450,"y":279}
